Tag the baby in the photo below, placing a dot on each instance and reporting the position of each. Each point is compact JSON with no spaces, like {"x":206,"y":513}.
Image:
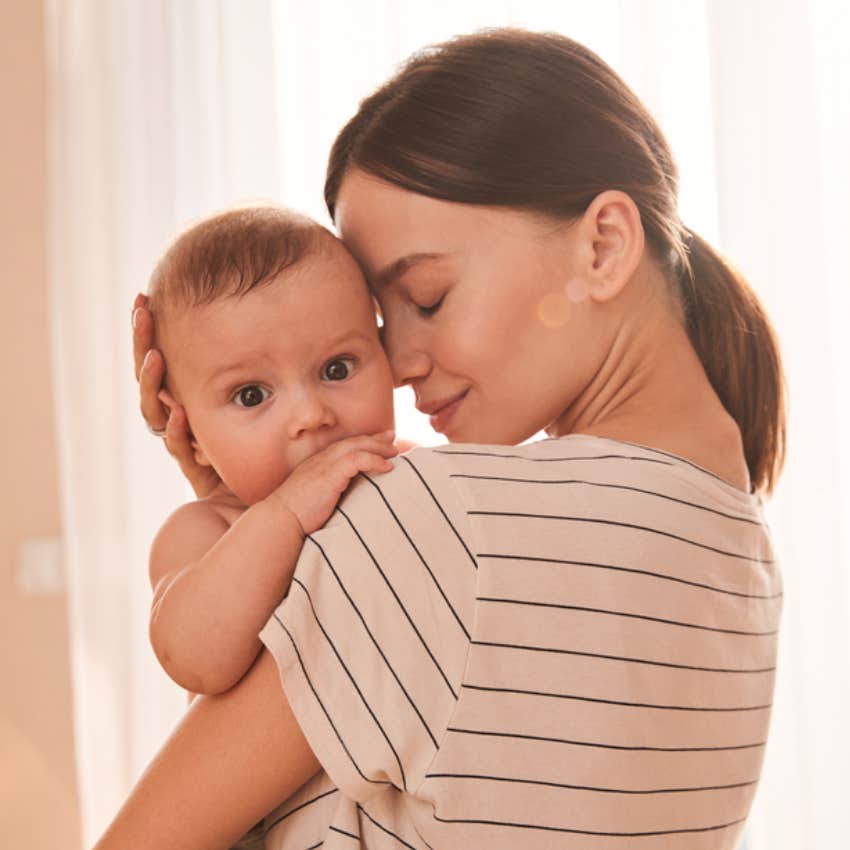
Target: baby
{"x":272,"y":349}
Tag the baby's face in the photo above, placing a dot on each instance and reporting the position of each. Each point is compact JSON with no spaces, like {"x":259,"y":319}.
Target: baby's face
{"x":272,"y":377}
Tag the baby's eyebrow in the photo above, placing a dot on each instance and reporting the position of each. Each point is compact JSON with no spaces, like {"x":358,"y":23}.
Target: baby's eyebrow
{"x":395,"y":270}
{"x":224,"y":371}
{"x":349,"y":336}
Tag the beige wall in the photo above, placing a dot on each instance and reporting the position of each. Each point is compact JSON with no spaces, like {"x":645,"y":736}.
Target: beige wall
{"x":38,"y":807}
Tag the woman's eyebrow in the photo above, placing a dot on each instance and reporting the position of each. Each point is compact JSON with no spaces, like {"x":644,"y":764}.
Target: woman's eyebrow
{"x":395,"y":270}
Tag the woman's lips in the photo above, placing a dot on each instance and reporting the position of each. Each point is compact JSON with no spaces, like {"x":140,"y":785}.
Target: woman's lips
{"x":441,"y":416}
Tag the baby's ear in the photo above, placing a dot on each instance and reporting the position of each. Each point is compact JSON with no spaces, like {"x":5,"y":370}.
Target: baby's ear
{"x":173,"y":405}
{"x":200,"y":455}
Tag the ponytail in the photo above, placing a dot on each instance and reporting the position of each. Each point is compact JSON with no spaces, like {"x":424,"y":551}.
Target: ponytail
{"x":737,"y":345}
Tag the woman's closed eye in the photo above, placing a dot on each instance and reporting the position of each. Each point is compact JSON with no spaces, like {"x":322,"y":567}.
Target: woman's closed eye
{"x":431,"y":308}
{"x":250,"y":395}
{"x":338,"y":369}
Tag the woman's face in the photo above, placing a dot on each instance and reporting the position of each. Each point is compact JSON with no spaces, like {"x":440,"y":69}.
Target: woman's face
{"x":476,"y":319}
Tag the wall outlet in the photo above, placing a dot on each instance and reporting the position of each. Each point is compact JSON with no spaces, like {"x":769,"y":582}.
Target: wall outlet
{"x":40,"y":569}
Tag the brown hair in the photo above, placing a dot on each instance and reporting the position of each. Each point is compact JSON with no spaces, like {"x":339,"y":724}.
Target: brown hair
{"x":538,"y":122}
{"x":229,"y":254}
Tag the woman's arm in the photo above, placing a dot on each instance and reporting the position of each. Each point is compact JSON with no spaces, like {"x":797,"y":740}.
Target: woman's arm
{"x":231,"y":760}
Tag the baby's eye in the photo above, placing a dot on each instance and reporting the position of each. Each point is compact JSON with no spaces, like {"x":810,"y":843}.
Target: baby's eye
{"x":250,"y":395}
{"x":338,"y":369}
{"x":430,"y":309}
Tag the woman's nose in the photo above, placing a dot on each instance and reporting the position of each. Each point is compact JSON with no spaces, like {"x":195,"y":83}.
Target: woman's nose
{"x":308,"y":412}
{"x":408,"y":358}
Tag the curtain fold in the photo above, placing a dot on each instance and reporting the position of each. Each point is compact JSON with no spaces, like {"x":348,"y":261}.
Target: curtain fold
{"x":159,"y":112}
{"x":162,"y":112}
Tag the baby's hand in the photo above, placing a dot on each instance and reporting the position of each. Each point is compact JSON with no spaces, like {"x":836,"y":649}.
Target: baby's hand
{"x":312,"y":490}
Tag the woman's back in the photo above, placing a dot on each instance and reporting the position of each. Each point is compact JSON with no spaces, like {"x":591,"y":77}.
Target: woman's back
{"x":556,"y":644}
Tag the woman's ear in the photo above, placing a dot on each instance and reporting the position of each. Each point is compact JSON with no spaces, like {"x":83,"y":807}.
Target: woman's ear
{"x":611,"y":227}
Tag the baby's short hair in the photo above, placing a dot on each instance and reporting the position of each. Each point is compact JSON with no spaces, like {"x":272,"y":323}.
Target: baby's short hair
{"x":229,"y":254}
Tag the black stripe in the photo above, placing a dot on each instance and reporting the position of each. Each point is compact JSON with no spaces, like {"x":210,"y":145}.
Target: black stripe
{"x":687,"y":462}
{"x":410,"y":463}
{"x":343,"y":832}
{"x":554,"y":459}
{"x":749,"y":520}
{"x":327,"y":715}
{"x":625,"y":525}
{"x":626,"y":614}
{"x":424,"y":563}
{"x":314,"y":846}
{"x":372,"y":714}
{"x":374,"y":641}
{"x":603,"y":746}
{"x":400,"y":604}
{"x":619,"y":658}
{"x":302,"y":805}
{"x":382,"y":827}
{"x":662,"y":576}
{"x":587,"y":831}
{"x":589,"y":787}
{"x":612,"y":701}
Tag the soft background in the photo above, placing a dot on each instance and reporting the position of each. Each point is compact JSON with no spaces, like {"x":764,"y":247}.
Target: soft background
{"x":124,"y":120}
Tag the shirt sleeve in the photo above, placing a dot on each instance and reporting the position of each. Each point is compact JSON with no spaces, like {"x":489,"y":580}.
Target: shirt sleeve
{"x":372,"y":639}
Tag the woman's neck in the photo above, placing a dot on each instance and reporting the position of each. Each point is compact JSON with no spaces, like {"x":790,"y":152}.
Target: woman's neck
{"x":652,"y":389}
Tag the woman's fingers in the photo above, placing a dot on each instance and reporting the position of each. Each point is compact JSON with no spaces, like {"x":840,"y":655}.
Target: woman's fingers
{"x":164,"y":416}
{"x":149,"y":366}
{"x":150,"y":382}
{"x":142,"y":322}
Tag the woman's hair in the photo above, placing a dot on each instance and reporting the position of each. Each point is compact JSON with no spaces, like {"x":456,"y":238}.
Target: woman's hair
{"x":538,"y":122}
{"x":230,"y":253}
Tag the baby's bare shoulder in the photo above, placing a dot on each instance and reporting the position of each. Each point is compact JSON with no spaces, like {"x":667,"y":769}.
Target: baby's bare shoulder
{"x":188,"y":534}
{"x":223,"y":503}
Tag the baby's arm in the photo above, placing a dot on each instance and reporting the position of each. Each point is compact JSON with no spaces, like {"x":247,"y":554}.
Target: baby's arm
{"x":215,"y":587}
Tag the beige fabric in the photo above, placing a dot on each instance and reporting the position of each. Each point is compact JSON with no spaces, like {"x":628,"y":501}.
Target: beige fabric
{"x":567,"y":644}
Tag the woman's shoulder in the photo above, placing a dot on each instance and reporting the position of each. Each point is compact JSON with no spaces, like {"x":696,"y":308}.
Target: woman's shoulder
{"x":456,"y":477}
{"x":588,"y":459}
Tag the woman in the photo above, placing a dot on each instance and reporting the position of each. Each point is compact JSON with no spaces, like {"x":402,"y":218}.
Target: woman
{"x":567,"y":643}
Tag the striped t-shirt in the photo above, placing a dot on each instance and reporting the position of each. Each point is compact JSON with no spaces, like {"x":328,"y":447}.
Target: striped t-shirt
{"x":567,"y":644}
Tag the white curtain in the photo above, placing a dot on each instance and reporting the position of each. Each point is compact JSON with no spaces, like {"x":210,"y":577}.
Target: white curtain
{"x":163,"y":111}
{"x":160,"y":112}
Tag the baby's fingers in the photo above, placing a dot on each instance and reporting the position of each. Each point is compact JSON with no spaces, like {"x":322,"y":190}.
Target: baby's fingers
{"x":364,"y":461}
{"x":379,"y":444}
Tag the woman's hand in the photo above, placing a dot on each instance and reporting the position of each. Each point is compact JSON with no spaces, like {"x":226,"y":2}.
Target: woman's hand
{"x":312,"y":490}
{"x":163,"y":415}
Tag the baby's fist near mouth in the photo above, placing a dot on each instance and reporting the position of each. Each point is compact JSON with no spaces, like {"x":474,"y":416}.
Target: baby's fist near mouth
{"x":312,"y":490}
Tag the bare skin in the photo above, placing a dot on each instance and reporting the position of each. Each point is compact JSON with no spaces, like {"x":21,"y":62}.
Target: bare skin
{"x":656,"y":393}
{"x":620,"y":366}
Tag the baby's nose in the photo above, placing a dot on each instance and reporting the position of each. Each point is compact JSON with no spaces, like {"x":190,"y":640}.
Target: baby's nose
{"x":308,"y":413}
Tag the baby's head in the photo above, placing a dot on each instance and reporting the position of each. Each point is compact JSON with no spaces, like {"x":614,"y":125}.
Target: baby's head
{"x":271,"y":344}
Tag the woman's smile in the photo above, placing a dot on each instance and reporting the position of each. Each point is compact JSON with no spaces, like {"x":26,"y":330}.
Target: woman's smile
{"x":442,"y":411}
